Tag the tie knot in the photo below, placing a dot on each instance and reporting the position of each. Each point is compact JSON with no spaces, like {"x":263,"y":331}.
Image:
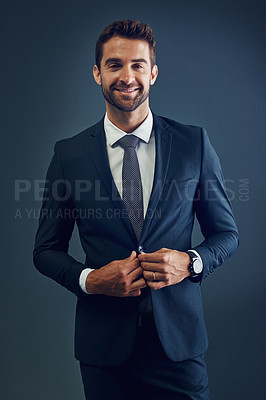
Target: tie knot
{"x":128,"y":141}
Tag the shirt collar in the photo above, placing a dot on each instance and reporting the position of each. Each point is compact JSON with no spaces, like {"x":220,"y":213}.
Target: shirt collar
{"x":113,"y":133}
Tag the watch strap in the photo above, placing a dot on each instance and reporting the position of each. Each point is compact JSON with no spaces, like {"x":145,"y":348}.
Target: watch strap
{"x":194,"y":276}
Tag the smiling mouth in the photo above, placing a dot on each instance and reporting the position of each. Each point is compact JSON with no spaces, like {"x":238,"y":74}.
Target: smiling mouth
{"x":126,"y":90}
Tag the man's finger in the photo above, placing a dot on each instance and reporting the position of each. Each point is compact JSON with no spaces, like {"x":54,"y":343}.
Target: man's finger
{"x":139,"y":284}
{"x":149,"y":257}
{"x":156,"y":267}
{"x":156,"y":285}
{"x":154,"y":276}
{"x":135,"y":274}
{"x":134,"y":293}
{"x":132,"y":256}
{"x":131,"y":263}
{"x":156,"y":257}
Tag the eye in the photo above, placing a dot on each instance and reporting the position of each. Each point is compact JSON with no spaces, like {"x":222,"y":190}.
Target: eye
{"x":137,"y":66}
{"x":114,"y":66}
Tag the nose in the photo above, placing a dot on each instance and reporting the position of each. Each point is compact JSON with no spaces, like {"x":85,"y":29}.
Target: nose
{"x":127,"y":76}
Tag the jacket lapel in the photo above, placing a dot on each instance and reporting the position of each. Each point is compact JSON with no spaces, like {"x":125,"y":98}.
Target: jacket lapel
{"x":163,"y":143}
{"x":99,"y":156}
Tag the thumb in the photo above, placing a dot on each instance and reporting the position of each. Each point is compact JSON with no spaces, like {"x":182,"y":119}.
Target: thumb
{"x":132,"y":256}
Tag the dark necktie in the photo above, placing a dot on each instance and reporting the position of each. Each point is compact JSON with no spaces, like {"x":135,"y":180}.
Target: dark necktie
{"x":133,"y":200}
{"x":131,"y":181}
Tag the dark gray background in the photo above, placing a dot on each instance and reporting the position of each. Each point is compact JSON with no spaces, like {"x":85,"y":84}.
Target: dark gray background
{"x":211,"y":73}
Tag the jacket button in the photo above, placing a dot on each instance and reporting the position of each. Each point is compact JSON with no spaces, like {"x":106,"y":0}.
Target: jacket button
{"x":140,"y":249}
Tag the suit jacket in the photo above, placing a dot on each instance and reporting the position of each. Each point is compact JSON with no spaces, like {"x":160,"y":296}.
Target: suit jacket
{"x":188,"y":182}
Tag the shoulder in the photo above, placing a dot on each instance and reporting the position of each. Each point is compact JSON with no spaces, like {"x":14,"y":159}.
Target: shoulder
{"x":178,"y":129}
{"x":79,"y":142}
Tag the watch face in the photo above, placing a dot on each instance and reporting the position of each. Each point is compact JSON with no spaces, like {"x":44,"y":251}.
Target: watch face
{"x":197,"y":266}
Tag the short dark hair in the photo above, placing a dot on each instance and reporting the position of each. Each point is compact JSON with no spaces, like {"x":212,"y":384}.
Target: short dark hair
{"x":129,"y":29}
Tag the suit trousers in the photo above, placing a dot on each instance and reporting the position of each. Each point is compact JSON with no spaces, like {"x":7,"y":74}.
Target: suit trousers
{"x":148,"y":374}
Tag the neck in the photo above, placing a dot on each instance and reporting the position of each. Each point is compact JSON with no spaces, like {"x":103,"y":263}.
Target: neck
{"x":127,"y":121}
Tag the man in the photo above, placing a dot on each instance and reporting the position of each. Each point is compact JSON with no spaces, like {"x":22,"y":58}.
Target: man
{"x":133,"y":184}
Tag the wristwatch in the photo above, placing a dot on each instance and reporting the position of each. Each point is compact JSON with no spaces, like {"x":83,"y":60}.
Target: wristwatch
{"x":195,"y":266}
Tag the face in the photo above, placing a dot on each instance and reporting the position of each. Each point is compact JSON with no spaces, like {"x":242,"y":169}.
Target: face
{"x":126,"y":74}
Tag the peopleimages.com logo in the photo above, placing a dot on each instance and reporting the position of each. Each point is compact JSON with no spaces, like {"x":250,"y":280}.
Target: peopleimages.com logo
{"x":63,"y":190}
{"x":89,"y":199}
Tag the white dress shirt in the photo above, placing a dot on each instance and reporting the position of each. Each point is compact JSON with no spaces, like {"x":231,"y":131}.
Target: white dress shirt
{"x":145,"y":152}
{"x":146,"y":157}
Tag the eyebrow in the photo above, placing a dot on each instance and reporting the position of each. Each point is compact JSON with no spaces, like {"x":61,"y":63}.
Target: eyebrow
{"x":111,"y":60}
{"x":140,"y":60}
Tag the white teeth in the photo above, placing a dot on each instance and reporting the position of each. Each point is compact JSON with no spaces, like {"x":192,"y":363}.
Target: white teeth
{"x":126,"y":90}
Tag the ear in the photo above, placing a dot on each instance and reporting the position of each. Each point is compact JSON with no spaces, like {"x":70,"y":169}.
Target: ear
{"x":97,"y":75}
{"x":154,"y":74}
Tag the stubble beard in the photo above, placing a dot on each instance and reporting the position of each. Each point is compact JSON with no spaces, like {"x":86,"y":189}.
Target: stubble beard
{"x":126,"y":105}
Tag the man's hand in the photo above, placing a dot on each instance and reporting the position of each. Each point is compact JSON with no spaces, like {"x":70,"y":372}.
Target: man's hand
{"x":120,"y":278}
{"x":164,"y":267}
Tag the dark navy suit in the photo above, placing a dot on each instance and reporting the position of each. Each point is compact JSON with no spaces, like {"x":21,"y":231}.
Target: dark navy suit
{"x":188,"y":182}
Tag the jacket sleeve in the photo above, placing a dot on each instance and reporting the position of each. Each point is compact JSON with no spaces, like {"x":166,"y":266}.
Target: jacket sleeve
{"x":56,"y":225}
{"x":214,"y":212}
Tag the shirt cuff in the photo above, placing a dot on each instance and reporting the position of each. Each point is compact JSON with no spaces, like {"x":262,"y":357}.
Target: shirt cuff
{"x":83,"y":278}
